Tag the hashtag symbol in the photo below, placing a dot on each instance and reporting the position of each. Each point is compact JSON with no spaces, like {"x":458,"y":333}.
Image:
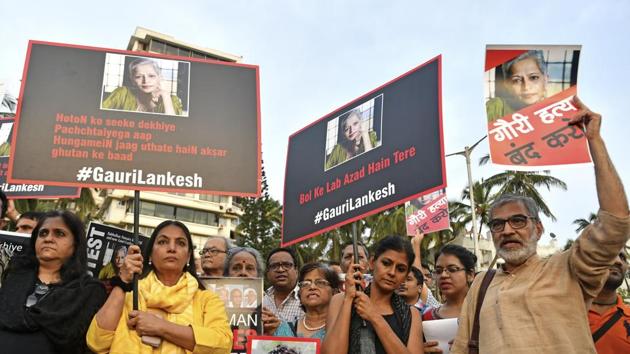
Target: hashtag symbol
{"x":318,"y":217}
{"x":84,"y":173}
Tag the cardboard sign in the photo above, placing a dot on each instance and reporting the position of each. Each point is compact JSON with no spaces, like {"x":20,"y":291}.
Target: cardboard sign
{"x":23,"y":190}
{"x":116,"y":119}
{"x":283,"y":345}
{"x":11,"y":244}
{"x":529,"y":104}
{"x":107,"y":248}
{"x":427,"y":214}
{"x":378,"y":151}
{"x":243,"y":303}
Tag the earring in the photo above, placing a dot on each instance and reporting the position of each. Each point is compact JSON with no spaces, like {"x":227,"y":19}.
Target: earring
{"x":188,"y":264}
{"x":149,"y":262}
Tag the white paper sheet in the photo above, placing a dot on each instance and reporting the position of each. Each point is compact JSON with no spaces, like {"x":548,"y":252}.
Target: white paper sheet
{"x":442,"y":331}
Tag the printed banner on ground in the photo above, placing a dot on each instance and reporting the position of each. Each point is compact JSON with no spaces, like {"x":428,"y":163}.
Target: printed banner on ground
{"x":131,"y":120}
{"x":107,"y":248}
{"x":529,"y":100}
{"x":11,"y":244}
{"x":376,"y":152}
{"x":243,"y":303}
{"x":427,"y":214}
{"x":22,"y":190}
{"x":283,"y":345}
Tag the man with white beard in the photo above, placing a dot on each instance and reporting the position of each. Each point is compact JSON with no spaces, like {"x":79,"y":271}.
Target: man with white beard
{"x":535,"y":305}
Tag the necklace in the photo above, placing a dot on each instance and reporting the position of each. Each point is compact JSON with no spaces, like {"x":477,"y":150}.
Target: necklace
{"x":312,"y":329}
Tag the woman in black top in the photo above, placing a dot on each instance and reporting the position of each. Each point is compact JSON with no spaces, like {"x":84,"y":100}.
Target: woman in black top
{"x":47,"y":299}
{"x":376,"y":320}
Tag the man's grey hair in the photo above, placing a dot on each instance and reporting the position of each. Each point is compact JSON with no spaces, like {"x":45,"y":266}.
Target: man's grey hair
{"x":260,"y":265}
{"x":228,"y":243}
{"x":527,"y":202}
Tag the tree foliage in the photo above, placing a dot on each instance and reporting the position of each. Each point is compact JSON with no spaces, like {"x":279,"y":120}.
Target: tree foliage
{"x":260,"y":224}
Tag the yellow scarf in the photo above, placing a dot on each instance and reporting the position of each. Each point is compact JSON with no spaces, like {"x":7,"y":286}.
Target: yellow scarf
{"x":172,"y":303}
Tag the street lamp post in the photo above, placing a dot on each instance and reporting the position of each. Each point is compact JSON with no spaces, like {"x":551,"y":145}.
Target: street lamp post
{"x":466,"y":153}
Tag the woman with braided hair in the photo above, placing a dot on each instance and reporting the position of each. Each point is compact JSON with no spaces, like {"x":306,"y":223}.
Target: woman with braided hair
{"x":375,"y":320}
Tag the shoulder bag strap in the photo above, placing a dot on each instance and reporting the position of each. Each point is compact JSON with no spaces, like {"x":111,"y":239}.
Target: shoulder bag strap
{"x":606,"y":326}
{"x":473,"y":343}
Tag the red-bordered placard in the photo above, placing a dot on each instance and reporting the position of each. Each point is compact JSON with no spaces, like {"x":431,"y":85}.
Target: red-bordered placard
{"x":100,"y":121}
{"x":335,"y":175}
{"x":266,"y":344}
{"x":529,"y":102}
{"x":22,"y":190}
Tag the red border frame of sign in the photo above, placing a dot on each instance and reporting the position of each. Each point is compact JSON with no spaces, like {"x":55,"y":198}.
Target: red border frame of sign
{"x":146,"y":54}
{"x":284,"y":339}
{"x":394,"y":203}
{"x":42,"y":196}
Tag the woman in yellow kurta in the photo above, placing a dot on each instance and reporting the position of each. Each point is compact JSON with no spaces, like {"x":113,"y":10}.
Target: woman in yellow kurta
{"x":175,"y":314}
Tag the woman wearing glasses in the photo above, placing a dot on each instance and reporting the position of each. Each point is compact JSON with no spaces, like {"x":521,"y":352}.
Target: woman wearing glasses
{"x":175,"y":314}
{"x":454,"y":272}
{"x":317,"y":284}
{"x":47,"y":299}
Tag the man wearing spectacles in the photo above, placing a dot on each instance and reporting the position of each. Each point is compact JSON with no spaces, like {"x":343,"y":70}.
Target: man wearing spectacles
{"x":536,"y":305}
{"x":213,"y":255}
{"x":281,"y":298}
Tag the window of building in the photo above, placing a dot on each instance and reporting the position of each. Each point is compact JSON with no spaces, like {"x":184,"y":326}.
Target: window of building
{"x":156,"y":46}
{"x":213,"y":198}
{"x":164,"y":211}
{"x":185,"y":214}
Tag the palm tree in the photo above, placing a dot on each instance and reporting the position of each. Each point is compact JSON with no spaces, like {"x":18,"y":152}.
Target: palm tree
{"x":388,"y":222}
{"x":583,"y":223}
{"x":524,"y":183}
{"x":483,"y":199}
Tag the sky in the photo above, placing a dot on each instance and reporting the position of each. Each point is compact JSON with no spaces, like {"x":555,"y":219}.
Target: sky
{"x":315,"y":56}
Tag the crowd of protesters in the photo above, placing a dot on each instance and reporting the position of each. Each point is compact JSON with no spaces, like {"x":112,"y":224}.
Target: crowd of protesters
{"x":565,"y":303}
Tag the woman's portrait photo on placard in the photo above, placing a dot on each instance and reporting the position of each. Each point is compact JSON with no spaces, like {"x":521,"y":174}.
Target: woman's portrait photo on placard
{"x":6,"y":127}
{"x":354,"y":132}
{"x":146,"y":85}
{"x":532,"y":76}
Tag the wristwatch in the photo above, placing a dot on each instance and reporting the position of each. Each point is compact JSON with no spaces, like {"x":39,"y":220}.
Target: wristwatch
{"x":116,"y":281}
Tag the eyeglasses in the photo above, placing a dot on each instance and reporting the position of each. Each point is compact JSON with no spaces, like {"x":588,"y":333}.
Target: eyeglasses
{"x":40,"y":291}
{"x":449,"y":270}
{"x":213,"y":251}
{"x":517,"y":221}
{"x":320,"y":283}
{"x":276,"y":266}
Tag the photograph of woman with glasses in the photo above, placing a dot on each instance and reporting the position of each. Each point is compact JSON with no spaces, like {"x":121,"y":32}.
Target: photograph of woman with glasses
{"x":47,"y":299}
{"x":317,"y":284}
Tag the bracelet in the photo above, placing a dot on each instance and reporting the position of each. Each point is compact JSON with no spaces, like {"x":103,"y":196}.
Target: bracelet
{"x":116,"y":281}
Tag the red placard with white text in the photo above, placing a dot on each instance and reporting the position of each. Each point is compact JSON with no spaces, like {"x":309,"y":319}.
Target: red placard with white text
{"x":529,"y":104}
{"x":427,"y":214}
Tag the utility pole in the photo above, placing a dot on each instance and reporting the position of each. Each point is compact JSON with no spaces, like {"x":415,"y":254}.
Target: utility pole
{"x":466,"y":153}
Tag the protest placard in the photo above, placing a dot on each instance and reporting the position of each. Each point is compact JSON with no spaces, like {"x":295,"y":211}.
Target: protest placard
{"x":11,"y":244}
{"x":283,"y":345}
{"x":243,"y":303}
{"x":107,"y":248}
{"x":23,"y":190}
{"x":427,"y":214}
{"x":529,"y":102}
{"x":119,"y":119}
{"x":376,"y":152}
